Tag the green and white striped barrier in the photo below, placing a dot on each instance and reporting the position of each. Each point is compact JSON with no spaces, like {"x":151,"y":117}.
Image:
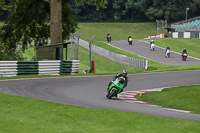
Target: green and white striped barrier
{"x":52,"y":67}
{"x":186,"y":34}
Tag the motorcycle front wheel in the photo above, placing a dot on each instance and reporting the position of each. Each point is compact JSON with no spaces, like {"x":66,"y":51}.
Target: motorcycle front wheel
{"x":111,"y":94}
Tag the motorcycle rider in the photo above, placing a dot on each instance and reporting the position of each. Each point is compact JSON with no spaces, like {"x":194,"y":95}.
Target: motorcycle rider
{"x":167,"y":50}
{"x":130,"y":39}
{"x":108,"y":37}
{"x":184,"y":52}
{"x":124,"y":75}
{"x":151,"y":43}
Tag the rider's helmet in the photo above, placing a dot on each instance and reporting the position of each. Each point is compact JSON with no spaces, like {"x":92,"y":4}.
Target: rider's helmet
{"x":124,"y":73}
{"x":151,"y":40}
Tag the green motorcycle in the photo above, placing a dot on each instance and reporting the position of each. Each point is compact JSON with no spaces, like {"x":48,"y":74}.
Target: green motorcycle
{"x":115,"y":87}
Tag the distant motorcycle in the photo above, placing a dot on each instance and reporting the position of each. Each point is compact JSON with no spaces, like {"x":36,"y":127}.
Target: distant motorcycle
{"x":167,"y":54}
{"x":109,"y":38}
{"x":184,"y":56}
{"x":152,"y":46}
{"x":130,"y":41}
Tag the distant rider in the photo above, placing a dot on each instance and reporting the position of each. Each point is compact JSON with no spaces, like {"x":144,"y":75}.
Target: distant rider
{"x":167,"y":50}
{"x":184,"y":52}
{"x":108,"y":37}
{"x":151,"y":43}
{"x":130,"y":40}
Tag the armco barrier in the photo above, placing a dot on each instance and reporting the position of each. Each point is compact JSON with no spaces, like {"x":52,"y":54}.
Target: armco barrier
{"x":69,"y":67}
{"x":53,"y":67}
{"x":186,"y":35}
{"x":175,"y":34}
{"x":180,"y":34}
{"x":49,"y":67}
{"x":8,"y":68}
{"x":27,"y":68}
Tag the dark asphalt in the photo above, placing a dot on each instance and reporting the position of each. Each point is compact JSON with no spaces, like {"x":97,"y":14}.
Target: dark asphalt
{"x":142,"y":49}
{"x":91,"y":91}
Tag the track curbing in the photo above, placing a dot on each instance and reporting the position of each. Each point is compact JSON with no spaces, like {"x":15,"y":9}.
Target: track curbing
{"x":129,"y":96}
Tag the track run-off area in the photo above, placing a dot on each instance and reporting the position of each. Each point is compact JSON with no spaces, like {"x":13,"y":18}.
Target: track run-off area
{"x":90,"y":91}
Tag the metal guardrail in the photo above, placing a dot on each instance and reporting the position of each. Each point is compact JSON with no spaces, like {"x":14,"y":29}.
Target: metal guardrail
{"x":122,"y":59}
{"x":8,"y":68}
{"x":53,"y":67}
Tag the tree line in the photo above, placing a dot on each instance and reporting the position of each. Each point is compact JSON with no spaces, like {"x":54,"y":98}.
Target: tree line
{"x":136,"y":10}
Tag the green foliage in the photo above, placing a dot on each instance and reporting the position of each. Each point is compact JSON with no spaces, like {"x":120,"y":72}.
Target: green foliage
{"x":138,"y":10}
{"x":11,"y":54}
{"x":3,"y":6}
{"x":29,"y":22}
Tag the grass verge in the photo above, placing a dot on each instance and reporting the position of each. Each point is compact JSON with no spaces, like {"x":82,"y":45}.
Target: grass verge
{"x":118,"y":31}
{"x":183,"y":97}
{"x":22,"y":115}
{"x":103,"y":65}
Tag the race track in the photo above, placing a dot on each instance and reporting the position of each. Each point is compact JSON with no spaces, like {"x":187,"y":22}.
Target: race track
{"x":142,"y":49}
{"x":91,"y":91}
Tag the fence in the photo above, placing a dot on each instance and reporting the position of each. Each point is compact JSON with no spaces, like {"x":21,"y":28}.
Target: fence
{"x":122,"y":59}
{"x":54,"y":67}
{"x":192,"y":24}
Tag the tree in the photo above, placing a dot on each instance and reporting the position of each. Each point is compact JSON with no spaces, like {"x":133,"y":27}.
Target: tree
{"x":37,"y":20}
{"x":132,"y":6}
{"x":88,"y":12}
{"x":56,"y":17}
{"x":160,"y":9}
{"x":3,"y":6}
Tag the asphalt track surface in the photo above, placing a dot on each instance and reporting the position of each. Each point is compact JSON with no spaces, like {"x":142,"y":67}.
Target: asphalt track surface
{"x":142,"y":48}
{"x":91,"y":91}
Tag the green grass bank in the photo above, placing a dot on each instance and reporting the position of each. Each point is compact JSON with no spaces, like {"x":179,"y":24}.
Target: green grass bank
{"x":22,"y":115}
{"x":118,"y":31}
{"x":183,"y":97}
